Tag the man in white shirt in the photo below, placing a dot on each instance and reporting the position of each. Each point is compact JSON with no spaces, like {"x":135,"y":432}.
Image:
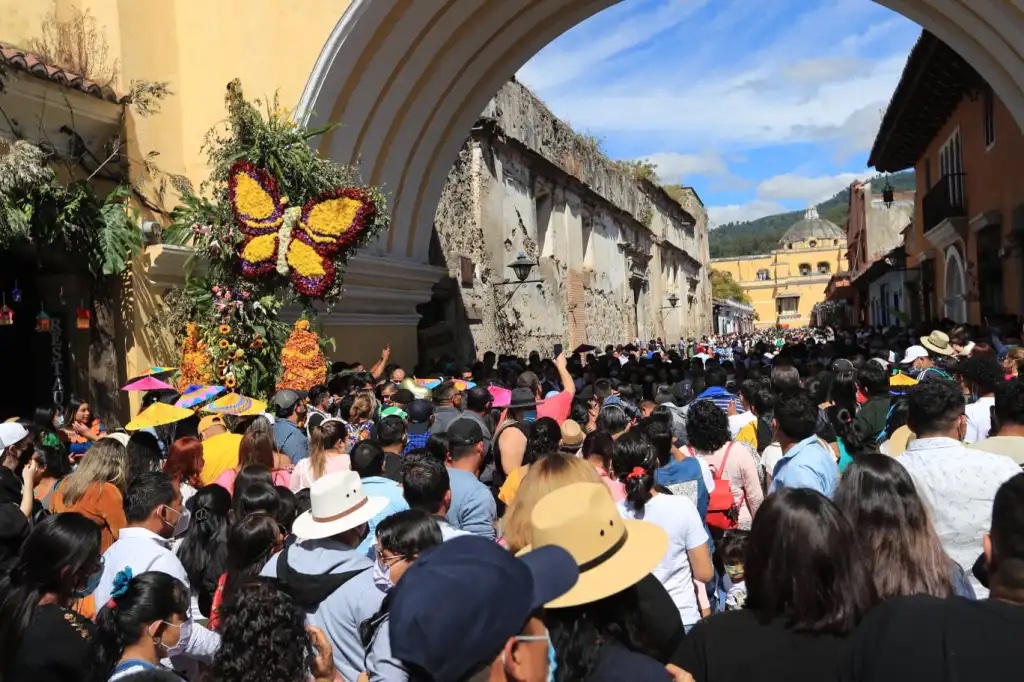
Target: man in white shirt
{"x":1007,"y":436}
{"x":152,"y":507}
{"x":958,"y":484}
{"x":982,"y":373}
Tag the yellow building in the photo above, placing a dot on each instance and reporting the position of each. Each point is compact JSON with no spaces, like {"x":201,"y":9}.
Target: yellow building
{"x":786,"y":284}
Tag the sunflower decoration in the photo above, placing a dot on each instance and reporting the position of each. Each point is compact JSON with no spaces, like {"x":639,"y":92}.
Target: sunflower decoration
{"x":223,"y":344}
{"x":238,"y":355}
{"x":224,"y":330}
{"x":257,"y":342}
{"x":303,"y":364}
{"x":230,"y":381}
{"x":196,"y":365}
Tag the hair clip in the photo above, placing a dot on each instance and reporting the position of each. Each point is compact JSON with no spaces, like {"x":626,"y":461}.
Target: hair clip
{"x":637,"y":472}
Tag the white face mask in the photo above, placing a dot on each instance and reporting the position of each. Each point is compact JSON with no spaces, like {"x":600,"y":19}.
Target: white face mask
{"x":183,"y":522}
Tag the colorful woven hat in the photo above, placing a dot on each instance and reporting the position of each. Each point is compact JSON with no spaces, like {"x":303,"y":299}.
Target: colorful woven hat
{"x":149,"y":383}
{"x":196,"y":395}
{"x":236,"y":404}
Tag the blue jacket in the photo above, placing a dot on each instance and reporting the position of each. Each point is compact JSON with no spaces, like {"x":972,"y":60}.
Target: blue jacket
{"x":809,"y":464}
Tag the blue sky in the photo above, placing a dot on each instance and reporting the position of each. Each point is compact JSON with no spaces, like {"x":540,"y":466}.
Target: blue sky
{"x":761,"y":105}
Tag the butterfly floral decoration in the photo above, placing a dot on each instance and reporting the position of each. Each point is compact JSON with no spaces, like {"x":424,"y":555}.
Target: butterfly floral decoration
{"x":296,"y":242}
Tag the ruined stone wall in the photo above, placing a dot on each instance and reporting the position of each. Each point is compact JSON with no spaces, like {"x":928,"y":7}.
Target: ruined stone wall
{"x":525,"y":182}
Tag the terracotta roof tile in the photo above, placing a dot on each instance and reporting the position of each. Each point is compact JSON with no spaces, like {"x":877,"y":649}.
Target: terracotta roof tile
{"x":23,"y":60}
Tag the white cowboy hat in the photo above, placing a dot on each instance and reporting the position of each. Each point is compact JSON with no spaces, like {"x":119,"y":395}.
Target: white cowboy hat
{"x":338,"y":503}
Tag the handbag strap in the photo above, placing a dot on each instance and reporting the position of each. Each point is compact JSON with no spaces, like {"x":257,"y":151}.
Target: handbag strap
{"x":725,"y":459}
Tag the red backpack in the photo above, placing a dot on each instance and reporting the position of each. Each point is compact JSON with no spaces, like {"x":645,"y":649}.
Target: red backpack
{"x":722,"y":510}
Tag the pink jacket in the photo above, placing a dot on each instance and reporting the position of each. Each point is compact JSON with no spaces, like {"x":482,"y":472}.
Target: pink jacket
{"x":741,"y":472}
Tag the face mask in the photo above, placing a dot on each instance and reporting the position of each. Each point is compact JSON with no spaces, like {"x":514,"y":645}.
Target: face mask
{"x":60,"y":420}
{"x":183,"y":523}
{"x":552,"y":661}
{"x":382,"y":576}
{"x":530,"y":416}
{"x":184,"y":634}
{"x":168,"y":523}
{"x":90,"y":585}
{"x":734,"y":571}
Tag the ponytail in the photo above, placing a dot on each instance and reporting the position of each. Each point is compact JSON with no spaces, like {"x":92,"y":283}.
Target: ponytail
{"x":134,"y":601}
{"x":634,"y":463}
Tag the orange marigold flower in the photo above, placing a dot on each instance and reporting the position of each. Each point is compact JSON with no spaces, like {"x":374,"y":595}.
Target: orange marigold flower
{"x":224,"y":329}
{"x":303,"y":365}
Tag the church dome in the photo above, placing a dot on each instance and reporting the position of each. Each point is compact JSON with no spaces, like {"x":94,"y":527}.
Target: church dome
{"x":812,"y":227}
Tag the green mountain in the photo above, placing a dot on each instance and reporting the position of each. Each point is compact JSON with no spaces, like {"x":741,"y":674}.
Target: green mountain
{"x":762,"y":235}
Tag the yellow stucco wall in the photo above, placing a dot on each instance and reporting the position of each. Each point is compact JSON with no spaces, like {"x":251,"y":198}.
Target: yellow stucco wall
{"x":784,"y":278}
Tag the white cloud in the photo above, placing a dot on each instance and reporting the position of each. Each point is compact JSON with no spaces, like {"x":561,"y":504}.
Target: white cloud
{"x":758,"y":208}
{"x":558,"y":64}
{"x":807,"y":190}
{"x":675,"y":167}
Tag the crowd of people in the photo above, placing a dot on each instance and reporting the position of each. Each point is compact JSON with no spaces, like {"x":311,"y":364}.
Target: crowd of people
{"x":787,"y":505}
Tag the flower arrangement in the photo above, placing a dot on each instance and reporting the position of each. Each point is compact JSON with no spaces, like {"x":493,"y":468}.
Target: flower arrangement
{"x":303,"y":363}
{"x":274,"y":225}
{"x":195,"y":366}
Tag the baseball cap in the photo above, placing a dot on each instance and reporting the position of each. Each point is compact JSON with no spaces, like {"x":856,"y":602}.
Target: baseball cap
{"x":913,"y":353}
{"x":393,"y":412}
{"x":464,"y":432}
{"x":11,"y":433}
{"x":419,"y":411}
{"x":450,"y":638}
{"x":210,"y":420}
{"x":842,"y":365}
{"x":286,"y":398}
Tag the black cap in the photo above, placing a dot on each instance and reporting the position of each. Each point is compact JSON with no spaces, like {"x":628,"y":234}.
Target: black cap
{"x":451,"y":638}
{"x":403,"y":396}
{"x":464,"y":432}
{"x":419,"y":411}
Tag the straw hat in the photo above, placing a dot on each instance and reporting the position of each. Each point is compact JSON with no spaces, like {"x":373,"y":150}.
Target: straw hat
{"x":938,"y":342}
{"x":338,"y":503}
{"x":572,"y":434}
{"x":613,"y":553}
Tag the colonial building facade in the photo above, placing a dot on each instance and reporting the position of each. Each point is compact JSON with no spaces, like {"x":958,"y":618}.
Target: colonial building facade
{"x":785,"y":285}
{"x":965,"y":247}
{"x":616,"y":258}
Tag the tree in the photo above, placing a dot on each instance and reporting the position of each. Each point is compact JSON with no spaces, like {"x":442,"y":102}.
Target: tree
{"x":724,"y":286}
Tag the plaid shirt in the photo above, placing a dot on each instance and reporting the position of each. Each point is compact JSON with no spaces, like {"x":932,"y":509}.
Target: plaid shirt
{"x":415,"y":442}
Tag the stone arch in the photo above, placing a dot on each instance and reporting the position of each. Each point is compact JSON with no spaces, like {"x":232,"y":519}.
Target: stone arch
{"x":954,"y":290}
{"x":407,"y":79}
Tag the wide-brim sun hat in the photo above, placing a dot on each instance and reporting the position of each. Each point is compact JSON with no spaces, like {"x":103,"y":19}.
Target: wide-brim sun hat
{"x":338,"y":503}
{"x":522,"y":398}
{"x":612,"y":553}
{"x":938,"y":342}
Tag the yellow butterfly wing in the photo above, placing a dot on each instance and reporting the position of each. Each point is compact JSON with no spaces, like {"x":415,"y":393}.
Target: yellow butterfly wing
{"x":312,"y":273}
{"x":255,"y":201}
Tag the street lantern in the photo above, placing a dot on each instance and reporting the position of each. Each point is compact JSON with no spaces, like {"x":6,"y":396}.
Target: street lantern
{"x":888,"y":193}
{"x":673,"y":300}
{"x":522,"y":266}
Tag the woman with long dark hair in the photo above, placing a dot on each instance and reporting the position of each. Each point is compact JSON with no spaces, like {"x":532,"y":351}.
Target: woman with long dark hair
{"x":807,"y":589}
{"x":81,"y":427}
{"x":544,"y":438}
{"x":401,"y":538}
{"x":251,"y":542}
{"x":41,"y":638}
{"x":688,"y":557}
{"x":46,"y":421}
{"x":895,"y":533}
{"x":145,"y":620}
{"x":53,"y":467}
{"x":261,"y":612}
{"x":204,"y":546}
{"x":257,"y":497}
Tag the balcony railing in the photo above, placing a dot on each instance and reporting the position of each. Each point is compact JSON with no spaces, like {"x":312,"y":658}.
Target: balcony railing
{"x":944,"y":200}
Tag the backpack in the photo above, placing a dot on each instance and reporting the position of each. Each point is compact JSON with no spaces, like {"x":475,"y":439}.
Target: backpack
{"x":722,"y":510}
